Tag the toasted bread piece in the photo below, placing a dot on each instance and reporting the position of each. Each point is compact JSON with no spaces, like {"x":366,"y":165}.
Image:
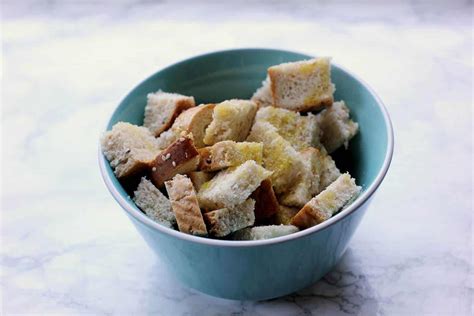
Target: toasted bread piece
{"x":329,"y":171}
{"x":224,"y":221}
{"x":229,"y":154}
{"x":300,"y":131}
{"x":231,"y":120}
{"x":232,"y":186}
{"x":327,"y":203}
{"x":192,"y":123}
{"x":337,"y":127}
{"x":130,"y":149}
{"x":185,"y":206}
{"x":263,"y":96}
{"x":307,"y":185}
{"x":153,"y":203}
{"x":198,"y":178}
{"x":264,"y":232}
{"x":285,"y":214}
{"x":278,"y":156}
{"x":179,"y":157}
{"x":266,"y":203}
{"x":162,"y":108}
{"x":303,"y":85}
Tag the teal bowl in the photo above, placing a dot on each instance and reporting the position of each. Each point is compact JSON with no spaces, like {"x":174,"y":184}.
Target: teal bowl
{"x":263,"y":269}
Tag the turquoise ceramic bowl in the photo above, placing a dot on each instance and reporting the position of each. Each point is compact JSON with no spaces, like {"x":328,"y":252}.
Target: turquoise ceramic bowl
{"x":257,"y":270}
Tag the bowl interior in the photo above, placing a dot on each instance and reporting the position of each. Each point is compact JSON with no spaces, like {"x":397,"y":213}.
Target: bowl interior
{"x":237,"y":74}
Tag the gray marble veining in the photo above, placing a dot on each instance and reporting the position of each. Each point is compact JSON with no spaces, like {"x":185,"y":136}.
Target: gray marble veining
{"x":67,"y":248}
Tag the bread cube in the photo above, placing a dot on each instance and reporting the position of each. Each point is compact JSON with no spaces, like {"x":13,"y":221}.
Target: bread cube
{"x":264,"y":232}
{"x":327,"y":203}
{"x":278,"y":156}
{"x":337,"y":127}
{"x":300,"y":131}
{"x":224,"y":221}
{"x":162,"y":108}
{"x":232,"y":186}
{"x":185,"y":206}
{"x":231,"y":120}
{"x":179,"y":157}
{"x":130,"y":149}
{"x":153,"y":203}
{"x":302,"y":85}
{"x":229,"y":154}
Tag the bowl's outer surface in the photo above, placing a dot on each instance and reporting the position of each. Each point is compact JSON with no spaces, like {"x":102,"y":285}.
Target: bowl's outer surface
{"x":271,"y":270}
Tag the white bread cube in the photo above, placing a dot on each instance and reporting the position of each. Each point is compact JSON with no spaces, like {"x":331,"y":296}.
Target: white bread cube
{"x":153,"y":203}
{"x":130,"y":149}
{"x":224,"y":221}
{"x":327,"y":203}
{"x":192,"y":123}
{"x":179,"y":157}
{"x":231,"y":120}
{"x":263,"y":96}
{"x":162,"y":108}
{"x":308,"y":184}
{"x":229,"y":154}
{"x":300,"y":131}
{"x":278,"y":156}
{"x":264,"y":232}
{"x":232,"y":186}
{"x":303,"y":85}
{"x":185,"y":206}
{"x":337,"y":127}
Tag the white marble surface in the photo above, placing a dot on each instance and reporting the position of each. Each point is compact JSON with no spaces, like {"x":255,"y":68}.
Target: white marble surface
{"x":67,"y":248}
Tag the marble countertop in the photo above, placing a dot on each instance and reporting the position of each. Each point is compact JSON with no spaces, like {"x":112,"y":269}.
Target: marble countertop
{"x":67,"y":248}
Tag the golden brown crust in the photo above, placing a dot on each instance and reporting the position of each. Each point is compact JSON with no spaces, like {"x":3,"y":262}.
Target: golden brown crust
{"x":179,"y":157}
{"x":195,"y":120}
{"x":185,"y":206}
{"x":307,"y":217}
{"x":266,"y":203}
{"x":180,"y":106}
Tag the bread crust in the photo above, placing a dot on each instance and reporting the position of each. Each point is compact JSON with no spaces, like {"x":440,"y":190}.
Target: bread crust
{"x":307,"y":217}
{"x":195,"y":120}
{"x":266,"y":203}
{"x":179,"y":157}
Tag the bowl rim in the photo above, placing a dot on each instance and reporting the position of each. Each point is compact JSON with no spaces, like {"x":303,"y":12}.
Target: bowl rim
{"x":359,"y":201}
